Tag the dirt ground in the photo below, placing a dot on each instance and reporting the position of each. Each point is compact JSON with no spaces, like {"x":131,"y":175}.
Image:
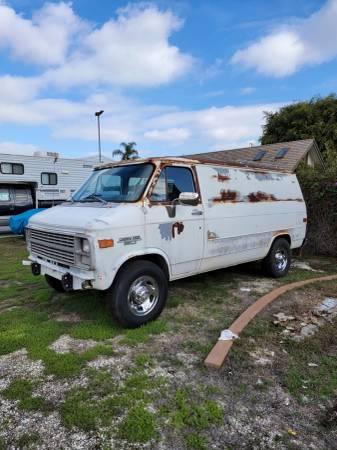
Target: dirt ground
{"x":71,"y":378}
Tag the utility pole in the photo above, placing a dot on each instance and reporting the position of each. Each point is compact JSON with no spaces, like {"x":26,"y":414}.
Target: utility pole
{"x":98,"y":114}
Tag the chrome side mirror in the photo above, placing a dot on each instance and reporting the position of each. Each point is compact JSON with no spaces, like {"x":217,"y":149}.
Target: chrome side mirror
{"x":188,"y":198}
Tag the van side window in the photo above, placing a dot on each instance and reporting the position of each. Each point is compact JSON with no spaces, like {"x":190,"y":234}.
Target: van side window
{"x":49,"y":178}
{"x":4,"y":195}
{"x":173,"y":181}
{"x":11,"y":168}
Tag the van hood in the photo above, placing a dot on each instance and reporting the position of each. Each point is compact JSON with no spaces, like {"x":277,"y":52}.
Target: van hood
{"x":89,"y":217}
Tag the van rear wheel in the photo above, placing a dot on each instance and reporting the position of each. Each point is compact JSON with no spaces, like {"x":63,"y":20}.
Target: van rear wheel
{"x":54,"y":283}
{"x":278,"y":260}
{"x":138,"y":294}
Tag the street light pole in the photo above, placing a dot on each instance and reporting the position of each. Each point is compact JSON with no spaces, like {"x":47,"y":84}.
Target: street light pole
{"x":98,"y":114}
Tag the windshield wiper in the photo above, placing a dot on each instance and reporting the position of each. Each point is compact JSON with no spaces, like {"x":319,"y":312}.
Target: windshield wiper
{"x":93,"y":197}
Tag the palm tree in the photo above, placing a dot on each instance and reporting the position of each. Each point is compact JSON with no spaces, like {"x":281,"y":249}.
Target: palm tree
{"x":128,"y":152}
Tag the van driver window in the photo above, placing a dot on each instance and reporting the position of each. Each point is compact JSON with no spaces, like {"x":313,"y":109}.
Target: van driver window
{"x":173,"y":181}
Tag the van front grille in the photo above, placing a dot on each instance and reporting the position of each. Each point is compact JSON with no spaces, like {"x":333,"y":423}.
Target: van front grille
{"x":52,"y":246}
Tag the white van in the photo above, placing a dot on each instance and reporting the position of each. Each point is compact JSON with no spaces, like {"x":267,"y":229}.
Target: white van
{"x":135,"y":225}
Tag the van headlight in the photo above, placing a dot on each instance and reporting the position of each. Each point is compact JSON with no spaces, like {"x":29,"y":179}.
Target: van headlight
{"x":85,"y":246}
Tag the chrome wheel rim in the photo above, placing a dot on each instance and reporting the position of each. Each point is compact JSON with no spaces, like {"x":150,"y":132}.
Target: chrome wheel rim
{"x":281,"y":260}
{"x":143,"y":295}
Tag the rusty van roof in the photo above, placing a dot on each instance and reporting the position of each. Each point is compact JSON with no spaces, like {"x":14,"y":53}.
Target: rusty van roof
{"x":194,"y":159}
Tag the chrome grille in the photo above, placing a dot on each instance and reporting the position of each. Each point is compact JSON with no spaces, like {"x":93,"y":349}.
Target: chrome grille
{"x":53,"y":246}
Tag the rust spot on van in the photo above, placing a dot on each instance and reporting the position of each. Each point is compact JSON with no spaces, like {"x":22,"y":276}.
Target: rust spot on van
{"x":179,"y":226}
{"x":222,"y":178}
{"x":211,"y":235}
{"x":260,"y":196}
{"x":276,"y":233}
{"x":226,"y":195}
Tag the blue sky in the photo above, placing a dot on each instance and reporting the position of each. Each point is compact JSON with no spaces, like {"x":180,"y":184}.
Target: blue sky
{"x":174,"y":76}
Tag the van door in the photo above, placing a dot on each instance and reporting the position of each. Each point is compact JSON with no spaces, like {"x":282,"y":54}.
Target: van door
{"x":175,"y":229}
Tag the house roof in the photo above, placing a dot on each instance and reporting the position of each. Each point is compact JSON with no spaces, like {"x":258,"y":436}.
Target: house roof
{"x":293,"y":153}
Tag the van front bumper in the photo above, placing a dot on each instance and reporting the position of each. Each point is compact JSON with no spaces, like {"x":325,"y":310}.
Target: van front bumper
{"x":71,"y":278}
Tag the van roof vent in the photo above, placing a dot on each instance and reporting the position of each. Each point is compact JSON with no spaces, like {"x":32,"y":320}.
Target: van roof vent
{"x":259,"y":155}
{"x":281,"y":153}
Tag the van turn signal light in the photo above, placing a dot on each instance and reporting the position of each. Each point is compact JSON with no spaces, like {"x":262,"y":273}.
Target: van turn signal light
{"x":105,"y":243}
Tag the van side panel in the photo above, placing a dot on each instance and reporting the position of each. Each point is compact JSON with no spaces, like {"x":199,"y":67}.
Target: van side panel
{"x":245,"y":210}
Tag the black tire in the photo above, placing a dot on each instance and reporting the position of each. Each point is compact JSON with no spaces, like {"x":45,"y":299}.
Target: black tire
{"x":54,"y":283}
{"x":278,"y":260}
{"x":121,"y":296}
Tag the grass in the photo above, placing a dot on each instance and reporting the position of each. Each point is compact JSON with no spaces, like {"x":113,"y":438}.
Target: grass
{"x":96,"y":405}
{"x":30,"y":325}
{"x":318,"y":382}
{"x":133,"y":402}
{"x":22,"y":390}
{"x":138,"y":425}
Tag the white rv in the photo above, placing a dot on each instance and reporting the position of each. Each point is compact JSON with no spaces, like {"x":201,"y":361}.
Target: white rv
{"x":40,"y":180}
{"x":134,"y":226}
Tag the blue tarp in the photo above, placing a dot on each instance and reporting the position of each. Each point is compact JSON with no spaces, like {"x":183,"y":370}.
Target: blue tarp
{"x":18,"y":223}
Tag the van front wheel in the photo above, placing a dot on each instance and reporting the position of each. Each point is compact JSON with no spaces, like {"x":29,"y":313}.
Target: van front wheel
{"x":138,"y":294}
{"x":278,"y":260}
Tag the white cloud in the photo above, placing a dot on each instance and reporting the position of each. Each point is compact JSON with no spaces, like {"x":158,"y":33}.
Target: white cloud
{"x":20,"y":149}
{"x":133,"y":49}
{"x":290,"y":47}
{"x":247,"y":90}
{"x":44,"y":39}
{"x":168,"y":135}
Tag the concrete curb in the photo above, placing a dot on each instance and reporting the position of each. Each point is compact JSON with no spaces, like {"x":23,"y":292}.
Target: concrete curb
{"x":217,"y":355}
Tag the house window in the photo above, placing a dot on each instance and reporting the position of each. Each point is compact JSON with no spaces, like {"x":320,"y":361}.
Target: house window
{"x":170,"y":184}
{"x":11,"y":168}
{"x":259,"y":155}
{"x":49,"y":178}
{"x":281,"y":153}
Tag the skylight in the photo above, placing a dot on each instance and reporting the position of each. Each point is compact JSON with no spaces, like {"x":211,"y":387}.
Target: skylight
{"x":259,"y":155}
{"x":281,"y":153}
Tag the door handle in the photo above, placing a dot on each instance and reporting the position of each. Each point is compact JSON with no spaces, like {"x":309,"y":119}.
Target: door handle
{"x":196,"y":213}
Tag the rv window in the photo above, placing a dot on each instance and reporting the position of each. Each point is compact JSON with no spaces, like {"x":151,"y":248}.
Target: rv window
{"x":49,"y":178}
{"x":21,"y":195}
{"x":11,"y":168}
{"x":4,"y":195}
{"x":173,"y":181}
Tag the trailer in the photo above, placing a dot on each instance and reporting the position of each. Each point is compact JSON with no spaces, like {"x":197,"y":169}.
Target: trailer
{"x":41,"y":180}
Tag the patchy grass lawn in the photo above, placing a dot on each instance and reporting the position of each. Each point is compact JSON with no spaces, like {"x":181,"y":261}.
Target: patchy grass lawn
{"x":70,"y":377}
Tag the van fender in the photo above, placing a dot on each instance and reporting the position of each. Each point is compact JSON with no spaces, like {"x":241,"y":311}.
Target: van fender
{"x":276,"y":234}
{"x":136,"y":254}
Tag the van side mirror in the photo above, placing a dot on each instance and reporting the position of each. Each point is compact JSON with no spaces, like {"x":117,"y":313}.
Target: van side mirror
{"x":188,"y":198}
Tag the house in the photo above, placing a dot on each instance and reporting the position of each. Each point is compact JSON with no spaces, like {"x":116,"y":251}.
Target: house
{"x":283,"y":156}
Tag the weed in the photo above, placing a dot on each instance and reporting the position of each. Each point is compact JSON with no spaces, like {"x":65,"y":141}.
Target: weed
{"x":26,"y":440}
{"x":199,"y":416}
{"x":21,"y":390}
{"x":138,"y":425}
{"x":196,"y":441}
{"x":143,"y":333}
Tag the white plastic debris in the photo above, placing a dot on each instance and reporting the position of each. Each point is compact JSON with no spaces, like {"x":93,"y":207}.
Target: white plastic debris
{"x":328,"y":305}
{"x":304,"y":266}
{"x":244,"y":289}
{"x":227,"y":335}
{"x":25,"y":262}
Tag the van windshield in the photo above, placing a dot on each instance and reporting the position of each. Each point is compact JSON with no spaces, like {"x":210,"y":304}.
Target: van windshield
{"x":117,"y":184}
